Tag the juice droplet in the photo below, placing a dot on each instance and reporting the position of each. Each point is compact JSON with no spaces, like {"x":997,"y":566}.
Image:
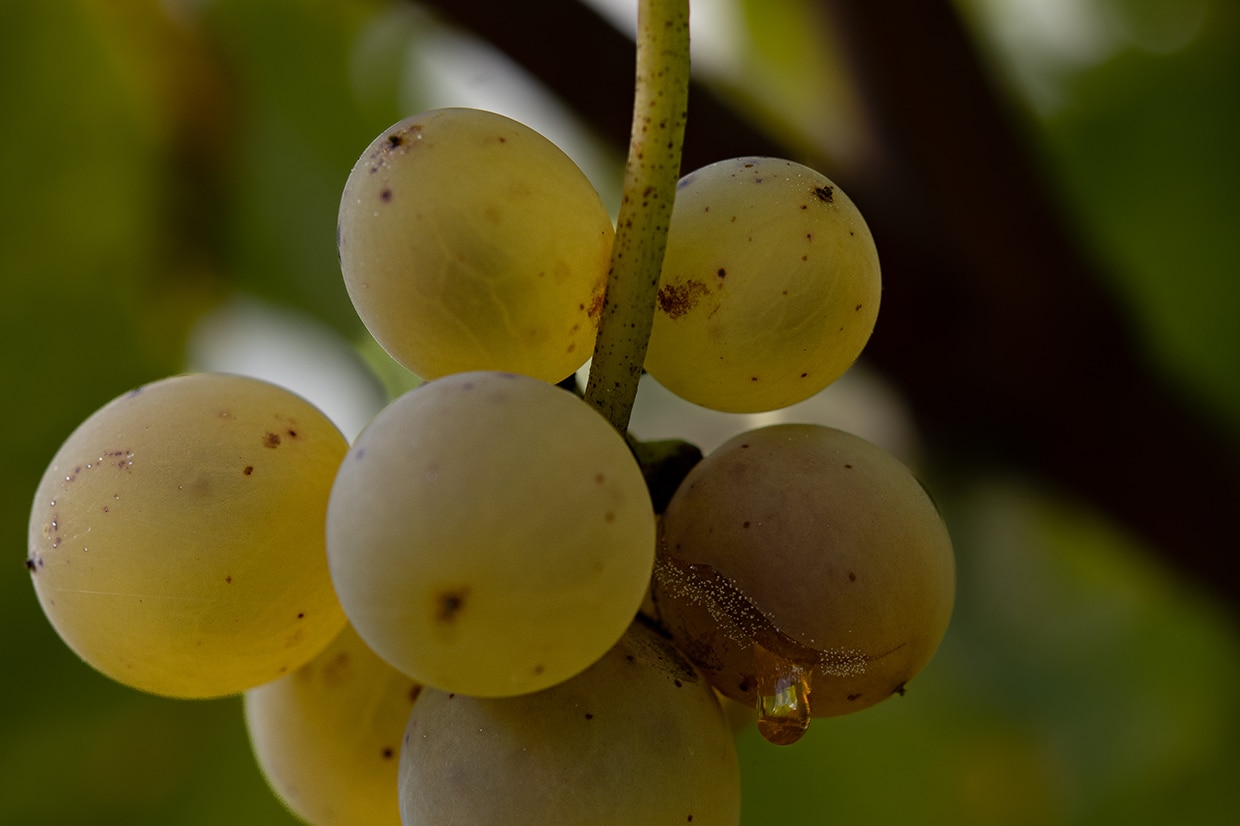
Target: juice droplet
{"x":783,"y":696}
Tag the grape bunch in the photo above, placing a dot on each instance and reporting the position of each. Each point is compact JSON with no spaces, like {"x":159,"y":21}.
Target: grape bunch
{"x":477,"y":612}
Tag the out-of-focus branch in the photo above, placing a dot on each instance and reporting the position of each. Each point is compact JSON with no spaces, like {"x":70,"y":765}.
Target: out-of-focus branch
{"x":994,"y":322}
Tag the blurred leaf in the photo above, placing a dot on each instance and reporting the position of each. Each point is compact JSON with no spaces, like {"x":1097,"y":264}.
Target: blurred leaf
{"x":301,"y":130}
{"x":1146,"y":145}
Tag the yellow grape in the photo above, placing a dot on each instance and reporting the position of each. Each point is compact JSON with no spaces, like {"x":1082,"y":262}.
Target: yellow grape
{"x":327,"y":737}
{"x":638,"y":739}
{"x":468,"y":241}
{"x":490,"y":534}
{"x":176,"y":540}
{"x":769,"y":290}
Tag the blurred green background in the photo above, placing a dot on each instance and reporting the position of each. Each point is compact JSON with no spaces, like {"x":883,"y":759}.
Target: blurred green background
{"x":171,"y":172}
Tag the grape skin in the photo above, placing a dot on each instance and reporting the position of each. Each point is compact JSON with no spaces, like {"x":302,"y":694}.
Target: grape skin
{"x":639,"y":738}
{"x":327,"y":737}
{"x":490,"y":534}
{"x":769,"y":290}
{"x":819,"y":546}
{"x":176,"y":539}
{"x":468,"y":241}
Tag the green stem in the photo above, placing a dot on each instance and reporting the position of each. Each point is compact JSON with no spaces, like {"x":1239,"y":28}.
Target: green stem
{"x":650,"y":176}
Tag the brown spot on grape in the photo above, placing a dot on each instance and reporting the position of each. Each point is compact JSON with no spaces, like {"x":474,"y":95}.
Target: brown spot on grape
{"x":388,"y":752}
{"x":271,"y":440}
{"x":900,"y":689}
{"x":677,"y":300}
{"x":395,"y":141}
{"x":825,"y":194}
{"x":610,"y":516}
{"x":722,"y":273}
{"x":589,"y":716}
{"x":678,"y":683}
{"x":248,"y":470}
{"x":228,"y":579}
{"x":385,"y":195}
{"x":450,"y":603}
{"x":596,"y":305}
{"x":414,"y":691}
{"x":852,"y":577}
{"x":599,"y":478}
{"x":852,"y":698}
{"x":31,"y":564}
{"x":857,"y":308}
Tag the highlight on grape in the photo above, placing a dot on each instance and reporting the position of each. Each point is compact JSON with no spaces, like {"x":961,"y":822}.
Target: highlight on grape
{"x":478,"y":612}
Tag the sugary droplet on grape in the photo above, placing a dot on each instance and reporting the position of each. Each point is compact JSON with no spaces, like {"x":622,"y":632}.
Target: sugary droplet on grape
{"x":469,"y":241}
{"x":769,"y":290}
{"x":490,"y":534}
{"x":176,"y":539}
{"x":783,"y":689}
{"x":804,"y":570}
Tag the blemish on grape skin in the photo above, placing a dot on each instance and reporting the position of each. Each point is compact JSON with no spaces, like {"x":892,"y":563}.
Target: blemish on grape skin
{"x":385,"y":195}
{"x":271,"y":440}
{"x":247,"y":471}
{"x":826,"y":194}
{"x":449,"y":604}
{"x":677,"y":300}
{"x":388,"y":752}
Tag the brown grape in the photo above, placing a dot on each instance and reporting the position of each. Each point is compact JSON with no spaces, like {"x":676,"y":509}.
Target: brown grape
{"x":806,"y":571}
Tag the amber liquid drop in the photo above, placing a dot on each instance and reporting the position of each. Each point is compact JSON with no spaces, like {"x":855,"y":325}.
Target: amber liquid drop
{"x":783,"y":697}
